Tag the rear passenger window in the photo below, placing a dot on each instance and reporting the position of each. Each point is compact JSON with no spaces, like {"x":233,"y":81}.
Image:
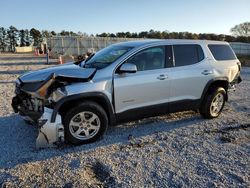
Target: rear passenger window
{"x":221,"y":52}
{"x":187,"y":54}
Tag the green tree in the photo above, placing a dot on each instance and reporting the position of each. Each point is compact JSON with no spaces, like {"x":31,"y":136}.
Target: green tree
{"x":121,"y":34}
{"x":112,"y":35}
{"x":3,"y":39}
{"x":229,"y":38}
{"x":53,"y":33}
{"x":242,"y":29}
{"x":27,"y":37}
{"x":36,"y":36}
{"x":71,"y":33}
{"x":12,"y":34}
{"x":102,"y":35}
{"x":143,"y":34}
{"x":134,"y":35}
{"x":243,"y":39}
{"x":79,"y":33}
{"x":128,"y":34}
{"x":64,"y":33}
{"x":46,"y":34}
{"x":165,"y":34}
{"x":173,"y":35}
{"x":22,"y":37}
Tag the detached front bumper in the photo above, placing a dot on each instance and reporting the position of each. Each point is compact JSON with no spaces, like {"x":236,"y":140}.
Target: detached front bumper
{"x":50,"y":134}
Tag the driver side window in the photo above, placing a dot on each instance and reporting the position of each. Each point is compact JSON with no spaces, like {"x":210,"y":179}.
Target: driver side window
{"x":149,"y":59}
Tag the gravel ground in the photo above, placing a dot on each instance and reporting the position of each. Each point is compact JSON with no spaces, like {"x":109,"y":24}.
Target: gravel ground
{"x":176,"y":150}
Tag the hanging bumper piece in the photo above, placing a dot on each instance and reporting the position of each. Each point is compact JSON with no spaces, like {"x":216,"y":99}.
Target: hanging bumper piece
{"x":50,"y":134}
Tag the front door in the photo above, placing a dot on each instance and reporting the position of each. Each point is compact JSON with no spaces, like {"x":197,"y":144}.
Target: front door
{"x":146,"y":88}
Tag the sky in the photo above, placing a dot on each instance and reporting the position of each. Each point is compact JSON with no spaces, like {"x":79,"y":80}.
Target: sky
{"x":97,"y":16}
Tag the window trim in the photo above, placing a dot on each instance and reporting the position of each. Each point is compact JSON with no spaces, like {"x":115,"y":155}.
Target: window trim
{"x":173,"y":56}
{"x":171,"y":63}
{"x":146,"y":48}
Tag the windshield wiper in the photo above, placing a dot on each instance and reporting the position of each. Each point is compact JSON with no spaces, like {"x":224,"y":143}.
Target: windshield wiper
{"x":95,"y":64}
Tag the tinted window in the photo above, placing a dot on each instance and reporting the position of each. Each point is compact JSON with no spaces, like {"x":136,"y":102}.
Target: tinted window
{"x":149,"y":59}
{"x":187,"y":54}
{"x":221,"y":52}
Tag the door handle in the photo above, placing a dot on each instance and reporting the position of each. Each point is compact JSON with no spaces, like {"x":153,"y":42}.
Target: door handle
{"x":207,"y":72}
{"x":162,"y":77}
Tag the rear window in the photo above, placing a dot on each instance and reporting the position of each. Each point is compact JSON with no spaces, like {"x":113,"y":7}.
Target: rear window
{"x":221,"y":52}
{"x":187,"y":54}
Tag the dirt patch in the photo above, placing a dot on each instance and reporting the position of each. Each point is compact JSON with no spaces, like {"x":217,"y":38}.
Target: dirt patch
{"x":233,"y":134}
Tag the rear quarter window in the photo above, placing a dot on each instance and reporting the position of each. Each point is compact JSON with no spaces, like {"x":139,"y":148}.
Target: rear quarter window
{"x":222,"y":52}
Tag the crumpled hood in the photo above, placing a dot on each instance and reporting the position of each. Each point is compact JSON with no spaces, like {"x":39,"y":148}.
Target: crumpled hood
{"x":70,"y":71}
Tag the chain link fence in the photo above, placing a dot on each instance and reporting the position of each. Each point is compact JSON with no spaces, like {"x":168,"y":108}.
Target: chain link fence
{"x":81,"y":45}
{"x":241,"y":48}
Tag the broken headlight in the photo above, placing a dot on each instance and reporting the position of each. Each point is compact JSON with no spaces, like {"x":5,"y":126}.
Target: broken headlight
{"x":58,"y":94}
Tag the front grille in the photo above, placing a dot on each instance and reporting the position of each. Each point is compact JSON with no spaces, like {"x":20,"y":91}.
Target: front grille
{"x":32,"y":104}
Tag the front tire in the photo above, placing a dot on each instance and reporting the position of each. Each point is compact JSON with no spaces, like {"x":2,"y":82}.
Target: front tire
{"x":85,"y":123}
{"x":213,"y":103}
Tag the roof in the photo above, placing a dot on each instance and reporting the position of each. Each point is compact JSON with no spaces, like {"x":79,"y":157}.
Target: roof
{"x":138,"y":43}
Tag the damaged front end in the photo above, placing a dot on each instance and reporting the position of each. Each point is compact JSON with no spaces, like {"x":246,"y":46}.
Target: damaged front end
{"x":28,"y":106}
{"x":36,"y":95}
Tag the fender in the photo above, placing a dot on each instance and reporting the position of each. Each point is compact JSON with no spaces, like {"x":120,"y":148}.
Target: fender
{"x":210,"y":82}
{"x":97,"y":95}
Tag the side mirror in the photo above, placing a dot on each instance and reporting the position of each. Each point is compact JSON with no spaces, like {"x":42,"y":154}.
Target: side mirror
{"x":128,"y":68}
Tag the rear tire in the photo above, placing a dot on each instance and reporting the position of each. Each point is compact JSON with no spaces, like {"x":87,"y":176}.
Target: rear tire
{"x":85,"y":123}
{"x":213,"y":103}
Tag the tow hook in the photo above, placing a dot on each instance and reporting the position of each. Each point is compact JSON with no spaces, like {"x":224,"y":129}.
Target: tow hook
{"x":50,"y":134}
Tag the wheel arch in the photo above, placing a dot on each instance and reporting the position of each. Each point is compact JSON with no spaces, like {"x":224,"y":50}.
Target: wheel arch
{"x":98,"y":97}
{"x":217,"y":82}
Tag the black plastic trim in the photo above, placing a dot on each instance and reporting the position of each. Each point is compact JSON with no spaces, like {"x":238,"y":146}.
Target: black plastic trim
{"x":156,"y":110}
{"x":209,"y":83}
{"x":83,"y":96}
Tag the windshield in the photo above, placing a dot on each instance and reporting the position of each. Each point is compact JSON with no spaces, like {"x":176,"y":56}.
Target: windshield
{"x":106,"y":56}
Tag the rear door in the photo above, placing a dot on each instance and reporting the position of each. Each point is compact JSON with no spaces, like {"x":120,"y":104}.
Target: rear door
{"x":149,"y":85}
{"x":190,"y":73}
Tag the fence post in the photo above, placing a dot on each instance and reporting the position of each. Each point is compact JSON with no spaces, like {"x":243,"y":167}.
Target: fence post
{"x":62,"y":45}
{"x":47,"y":56}
{"x":78,"y":46}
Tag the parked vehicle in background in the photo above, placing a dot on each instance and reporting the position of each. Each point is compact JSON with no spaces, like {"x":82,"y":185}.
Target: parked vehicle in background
{"x":127,"y":81}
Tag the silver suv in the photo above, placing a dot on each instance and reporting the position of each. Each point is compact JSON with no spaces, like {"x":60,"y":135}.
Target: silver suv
{"x":126,"y":81}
